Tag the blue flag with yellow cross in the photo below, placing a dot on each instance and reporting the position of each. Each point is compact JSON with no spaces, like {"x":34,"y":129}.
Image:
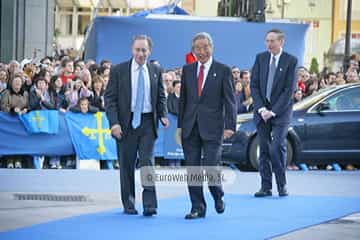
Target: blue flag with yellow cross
{"x":91,"y":136}
{"x":41,"y":121}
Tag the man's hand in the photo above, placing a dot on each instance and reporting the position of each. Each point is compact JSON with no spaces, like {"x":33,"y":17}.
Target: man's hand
{"x":165,"y":122}
{"x":228,"y":133}
{"x":116,"y":131}
{"x":266,"y":115}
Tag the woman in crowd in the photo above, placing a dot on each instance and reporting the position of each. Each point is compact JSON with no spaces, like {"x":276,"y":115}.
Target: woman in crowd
{"x":298,"y":95}
{"x":86,"y":77}
{"x":77,"y":91}
{"x":97,"y":99}
{"x":40,"y":98}
{"x":67,"y":69}
{"x":340,"y":78}
{"x":3,"y":80}
{"x":239,"y":98}
{"x":43,"y":73}
{"x":311,"y":86}
{"x":15,"y":100}
{"x":57,"y":93}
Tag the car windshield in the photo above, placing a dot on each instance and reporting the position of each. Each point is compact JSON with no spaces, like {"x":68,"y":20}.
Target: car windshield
{"x":310,"y":100}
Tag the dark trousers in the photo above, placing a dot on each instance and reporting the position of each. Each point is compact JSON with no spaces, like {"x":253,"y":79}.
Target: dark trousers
{"x":137,"y":143}
{"x":272,"y":139}
{"x":193,"y":146}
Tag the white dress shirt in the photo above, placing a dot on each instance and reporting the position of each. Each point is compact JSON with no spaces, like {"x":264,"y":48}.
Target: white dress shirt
{"x":134,"y":84}
{"x":277,"y":58}
{"x":207,"y":66}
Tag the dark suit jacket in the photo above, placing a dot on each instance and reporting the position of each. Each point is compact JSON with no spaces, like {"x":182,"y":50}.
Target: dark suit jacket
{"x":34,"y":102}
{"x":97,"y":100}
{"x":118,"y":95}
{"x":214,"y":109}
{"x":282,"y":89}
{"x":239,"y":99}
{"x":173,"y":104}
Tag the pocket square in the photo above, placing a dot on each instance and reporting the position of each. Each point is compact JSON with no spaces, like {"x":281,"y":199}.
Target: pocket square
{"x":214,"y":75}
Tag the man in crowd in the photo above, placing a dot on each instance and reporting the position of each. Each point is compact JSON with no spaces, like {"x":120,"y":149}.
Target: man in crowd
{"x":235,"y":72}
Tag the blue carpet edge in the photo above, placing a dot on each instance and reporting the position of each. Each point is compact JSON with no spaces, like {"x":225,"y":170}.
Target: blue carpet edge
{"x":311,"y":225}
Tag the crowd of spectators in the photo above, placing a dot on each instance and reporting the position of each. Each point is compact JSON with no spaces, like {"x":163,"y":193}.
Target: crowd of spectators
{"x":51,"y":84}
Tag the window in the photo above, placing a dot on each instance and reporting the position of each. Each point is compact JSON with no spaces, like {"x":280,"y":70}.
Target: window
{"x":66,"y":24}
{"x":83,"y":23}
{"x":348,"y":100}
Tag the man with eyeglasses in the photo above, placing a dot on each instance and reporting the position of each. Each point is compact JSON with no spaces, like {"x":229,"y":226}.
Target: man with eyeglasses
{"x":135,"y":102}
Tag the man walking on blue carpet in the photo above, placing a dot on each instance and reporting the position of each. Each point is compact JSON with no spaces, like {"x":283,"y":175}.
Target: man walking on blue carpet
{"x":272,"y":86}
{"x":207,"y":113}
{"x":135,"y":101}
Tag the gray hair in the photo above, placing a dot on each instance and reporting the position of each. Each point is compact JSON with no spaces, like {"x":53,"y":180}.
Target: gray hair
{"x":202,"y":35}
{"x":278,"y":32}
{"x":143,"y":37}
{"x":84,"y":73}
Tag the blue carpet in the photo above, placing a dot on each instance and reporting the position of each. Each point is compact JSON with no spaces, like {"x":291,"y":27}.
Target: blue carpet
{"x":245,"y":217}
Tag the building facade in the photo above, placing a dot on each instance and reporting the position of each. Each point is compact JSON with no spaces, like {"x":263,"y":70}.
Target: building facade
{"x":26,"y":29}
{"x":326,"y":19}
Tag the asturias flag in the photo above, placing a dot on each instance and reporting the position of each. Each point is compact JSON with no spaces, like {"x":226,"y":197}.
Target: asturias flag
{"x":91,"y":136}
{"x":42,"y":121}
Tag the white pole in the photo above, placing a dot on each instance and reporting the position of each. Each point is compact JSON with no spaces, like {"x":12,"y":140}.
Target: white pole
{"x":94,"y":14}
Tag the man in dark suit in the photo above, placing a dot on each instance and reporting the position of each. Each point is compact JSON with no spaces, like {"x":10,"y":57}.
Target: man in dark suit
{"x":174,"y":98}
{"x":207,"y":113}
{"x":272,"y":85}
{"x":135,"y":101}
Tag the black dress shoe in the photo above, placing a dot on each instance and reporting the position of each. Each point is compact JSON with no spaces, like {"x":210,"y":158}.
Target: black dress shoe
{"x":149,"y":212}
{"x":263,"y":193}
{"x":219,"y":206}
{"x":283,"y":192}
{"x":195,"y":214}
{"x":130,"y":211}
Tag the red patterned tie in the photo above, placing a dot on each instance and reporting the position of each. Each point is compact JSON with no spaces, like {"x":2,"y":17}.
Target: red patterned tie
{"x":200,"y":79}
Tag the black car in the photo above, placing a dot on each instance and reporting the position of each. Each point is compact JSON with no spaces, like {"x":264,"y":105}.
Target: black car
{"x":325,"y":129}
